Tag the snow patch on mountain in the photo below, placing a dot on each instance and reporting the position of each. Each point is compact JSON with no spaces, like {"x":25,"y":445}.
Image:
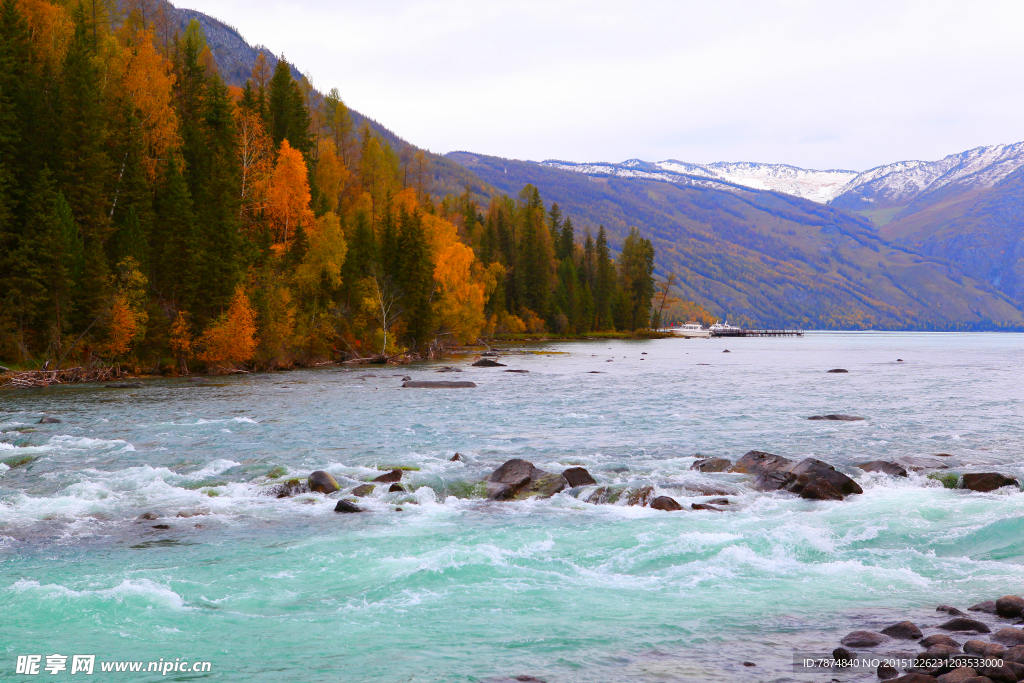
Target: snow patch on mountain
{"x":899,"y":182}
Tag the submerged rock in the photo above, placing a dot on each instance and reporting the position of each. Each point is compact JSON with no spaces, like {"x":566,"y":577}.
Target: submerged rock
{"x":389,"y":477}
{"x":448,"y":368}
{"x":904,"y":630}
{"x":916,"y":463}
{"x":948,"y":609}
{"x":323,"y":482}
{"x":287,"y":489}
{"x":49,"y":420}
{"x":345,"y":506}
{"x":704,"y":506}
{"x":523,"y":372}
{"x":425,"y":384}
{"x":863,"y":639}
{"x":488,"y":363}
{"x":363,"y":490}
{"x":666,"y":503}
{"x":578,"y":476}
{"x":889,"y":468}
{"x":838,"y":370}
{"x":124,"y":385}
{"x":987,"y":481}
{"x":518,"y":479}
{"x":965,"y":624}
{"x":837,"y":417}
{"x":711,"y":465}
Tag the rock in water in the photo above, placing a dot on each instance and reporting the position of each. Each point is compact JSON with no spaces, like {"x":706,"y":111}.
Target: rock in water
{"x":345,"y":506}
{"x":578,"y":476}
{"x":363,"y":490}
{"x":904,"y":630}
{"x":863,"y":639}
{"x":889,"y":468}
{"x":938,"y":639}
{"x":988,"y":481}
{"x":757,"y":462}
{"x":841,"y":654}
{"x":48,"y":420}
{"x":455,"y":458}
{"x":988,"y":607}
{"x":836,"y":417}
{"x":1010,"y":606}
{"x":1009,"y":636}
{"x":389,"y":477}
{"x":518,"y":479}
{"x":838,"y":370}
{"x":965,"y":624}
{"x":322,"y":482}
{"x":916,"y":463}
{"x":488,"y":363}
{"x":704,"y":506}
{"x":665,"y":503}
{"x":523,"y":372}
{"x":711,"y":465}
{"x":396,"y":488}
{"x":424,"y":384}
{"x":885,"y":672}
{"x":124,"y":385}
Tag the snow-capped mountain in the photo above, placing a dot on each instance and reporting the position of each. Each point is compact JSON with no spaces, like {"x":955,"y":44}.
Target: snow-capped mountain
{"x":892,"y":184}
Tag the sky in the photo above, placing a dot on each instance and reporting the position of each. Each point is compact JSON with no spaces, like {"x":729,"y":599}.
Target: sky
{"x":824,"y":84}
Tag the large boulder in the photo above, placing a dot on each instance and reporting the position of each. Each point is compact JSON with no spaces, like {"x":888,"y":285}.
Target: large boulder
{"x":987,"y":481}
{"x":988,"y":607}
{"x":666,"y":503}
{"x":578,"y":476}
{"x":1010,"y":606}
{"x":518,"y":479}
{"x":890,"y":468}
{"x":711,"y":465}
{"x":906,"y":630}
{"x":818,"y":480}
{"x":965,"y":624}
{"x":389,"y":477}
{"x":322,"y":482}
{"x":863,"y":639}
{"x":1009,"y":636}
{"x":810,"y":478}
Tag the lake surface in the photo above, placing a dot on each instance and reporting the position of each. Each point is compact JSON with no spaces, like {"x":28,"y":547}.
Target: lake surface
{"x":451,"y":588}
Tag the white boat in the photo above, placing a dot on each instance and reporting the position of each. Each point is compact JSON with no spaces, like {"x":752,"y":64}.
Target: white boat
{"x":720,"y":328}
{"x":690,"y":329}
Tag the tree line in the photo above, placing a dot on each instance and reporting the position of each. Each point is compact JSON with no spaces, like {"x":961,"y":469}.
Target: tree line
{"x":152,"y":215}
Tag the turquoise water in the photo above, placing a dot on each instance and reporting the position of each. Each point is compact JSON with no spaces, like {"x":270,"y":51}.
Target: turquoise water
{"x":457,"y":589}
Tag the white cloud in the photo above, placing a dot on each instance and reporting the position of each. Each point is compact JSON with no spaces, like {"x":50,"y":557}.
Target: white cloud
{"x":815,"y":84}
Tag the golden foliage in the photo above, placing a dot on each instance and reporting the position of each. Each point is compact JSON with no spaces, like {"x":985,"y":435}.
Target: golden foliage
{"x":51,"y":29}
{"x":122,"y":329}
{"x":331,"y":174}
{"x":288,"y":196}
{"x":322,"y":262}
{"x":181,"y":336}
{"x":145,"y":82}
{"x":255,"y":158}
{"x":231,"y":338}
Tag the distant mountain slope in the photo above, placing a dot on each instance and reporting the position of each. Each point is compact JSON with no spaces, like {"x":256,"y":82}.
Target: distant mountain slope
{"x":981,"y":230}
{"x":819,"y":186}
{"x":771,"y":258}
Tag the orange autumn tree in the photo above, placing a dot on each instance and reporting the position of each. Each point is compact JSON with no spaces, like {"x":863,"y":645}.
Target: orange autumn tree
{"x":256,"y":163}
{"x":181,"y":341}
{"x":288,"y":196}
{"x":145,"y":84}
{"x":231,"y":338}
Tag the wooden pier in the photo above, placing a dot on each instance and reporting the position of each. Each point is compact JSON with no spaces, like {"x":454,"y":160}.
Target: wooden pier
{"x":758,"y":333}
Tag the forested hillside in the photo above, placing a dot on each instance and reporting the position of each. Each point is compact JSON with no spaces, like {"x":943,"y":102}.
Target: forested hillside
{"x":155,"y":216}
{"x":769,"y":258}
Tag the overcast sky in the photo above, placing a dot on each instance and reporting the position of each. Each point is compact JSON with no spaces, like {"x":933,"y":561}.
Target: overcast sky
{"x":822,"y":84}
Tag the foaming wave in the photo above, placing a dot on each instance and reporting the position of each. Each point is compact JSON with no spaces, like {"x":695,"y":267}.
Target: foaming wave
{"x":128,"y":589}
